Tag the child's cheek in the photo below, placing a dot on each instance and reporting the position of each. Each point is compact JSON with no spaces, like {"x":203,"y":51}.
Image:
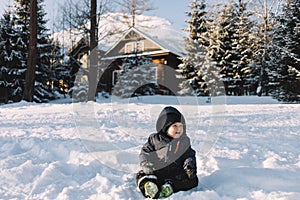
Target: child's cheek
{"x":171,"y":132}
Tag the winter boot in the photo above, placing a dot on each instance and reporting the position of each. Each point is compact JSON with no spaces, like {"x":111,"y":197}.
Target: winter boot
{"x":151,"y":189}
{"x":166,"y":191}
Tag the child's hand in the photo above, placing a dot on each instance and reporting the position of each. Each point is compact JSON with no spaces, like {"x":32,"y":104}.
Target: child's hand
{"x":191,"y":173}
{"x":190,"y":168}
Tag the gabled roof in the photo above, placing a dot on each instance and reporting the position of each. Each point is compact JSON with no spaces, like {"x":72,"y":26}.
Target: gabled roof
{"x":81,"y":46}
{"x":163,"y":46}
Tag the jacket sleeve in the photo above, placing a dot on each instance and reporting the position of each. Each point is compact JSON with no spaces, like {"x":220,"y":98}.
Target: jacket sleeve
{"x":189,"y":158}
{"x":148,"y":156}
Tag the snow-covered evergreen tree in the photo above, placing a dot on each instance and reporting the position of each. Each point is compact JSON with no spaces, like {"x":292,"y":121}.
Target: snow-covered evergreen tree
{"x":227,"y":34}
{"x":12,"y":62}
{"x":196,"y":45}
{"x":43,"y":74}
{"x":264,"y":69}
{"x":286,"y":51}
{"x":230,"y":47}
{"x":210,"y":71}
{"x":244,"y":52}
{"x":136,"y":77}
{"x":220,"y":51}
{"x":258,"y":77}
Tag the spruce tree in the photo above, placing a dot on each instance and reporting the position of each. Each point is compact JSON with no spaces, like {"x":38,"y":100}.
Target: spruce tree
{"x":196,"y":46}
{"x":286,"y":51}
{"x":264,"y":67}
{"x":13,"y":64}
{"x":43,"y":74}
{"x":210,"y":70}
{"x":259,"y":77}
{"x":228,"y":34}
{"x":222,"y":53}
{"x":230,"y":47}
{"x":137,"y":77}
{"x":244,"y":53}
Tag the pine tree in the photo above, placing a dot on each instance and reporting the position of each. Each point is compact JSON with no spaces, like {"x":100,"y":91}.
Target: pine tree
{"x":242,"y":46}
{"x":13,"y":64}
{"x":286,"y":51}
{"x":228,"y":29}
{"x":196,"y":45}
{"x":264,"y":67}
{"x":258,"y":77}
{"x":230,"y":47}
{"x":43,"y":74}
{"x":210,"y":70}
{"x":223,"y":33}
{"x":137,"y":77}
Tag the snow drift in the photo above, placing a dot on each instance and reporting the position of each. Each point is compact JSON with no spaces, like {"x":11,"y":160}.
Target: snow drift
{"x":90,"y":150}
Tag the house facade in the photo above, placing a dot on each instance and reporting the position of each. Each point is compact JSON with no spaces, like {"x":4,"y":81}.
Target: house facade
{"x":138,"y":43}
{"x":133,"y":43}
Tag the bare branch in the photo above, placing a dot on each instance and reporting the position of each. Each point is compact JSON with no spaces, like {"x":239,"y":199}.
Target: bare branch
{"x":133,"y":7}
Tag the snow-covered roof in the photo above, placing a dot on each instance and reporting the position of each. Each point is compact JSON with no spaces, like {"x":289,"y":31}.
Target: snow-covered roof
{"x":113,"y":26}
{"x":164,"y":46}
{"x":169,"y":45}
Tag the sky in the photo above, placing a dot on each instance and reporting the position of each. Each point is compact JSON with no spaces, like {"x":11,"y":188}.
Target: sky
{"x":173,"y":10}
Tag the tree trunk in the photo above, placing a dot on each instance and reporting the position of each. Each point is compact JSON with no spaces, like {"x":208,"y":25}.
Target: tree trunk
{"x":93,"y":53}
{"x":31,"y":62}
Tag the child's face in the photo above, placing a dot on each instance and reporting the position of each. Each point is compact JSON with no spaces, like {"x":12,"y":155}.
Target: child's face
{"x":175,"y":130}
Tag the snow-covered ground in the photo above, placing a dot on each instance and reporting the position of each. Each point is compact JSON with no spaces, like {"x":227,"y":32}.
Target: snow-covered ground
{"x":247,"y":148}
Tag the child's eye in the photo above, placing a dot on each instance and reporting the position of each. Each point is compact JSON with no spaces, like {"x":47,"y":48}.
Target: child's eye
{"x":177,"y":126}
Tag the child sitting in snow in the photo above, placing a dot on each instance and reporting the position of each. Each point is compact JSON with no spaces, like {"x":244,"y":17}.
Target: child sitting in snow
{"x":167,"y":160}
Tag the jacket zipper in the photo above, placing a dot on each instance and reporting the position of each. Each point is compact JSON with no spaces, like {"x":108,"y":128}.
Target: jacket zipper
{"x":177,"y":147}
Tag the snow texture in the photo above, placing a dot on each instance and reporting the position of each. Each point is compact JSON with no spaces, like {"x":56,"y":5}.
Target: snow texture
{"x":247,"y":147}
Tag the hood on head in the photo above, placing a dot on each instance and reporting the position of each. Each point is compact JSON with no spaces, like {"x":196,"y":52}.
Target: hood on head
{"x":168,"y":116}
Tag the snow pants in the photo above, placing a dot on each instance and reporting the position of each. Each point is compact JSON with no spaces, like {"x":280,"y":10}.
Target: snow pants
{"x":179,"y":182}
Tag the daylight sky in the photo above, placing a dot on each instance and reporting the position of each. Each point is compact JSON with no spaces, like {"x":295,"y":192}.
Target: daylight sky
{"x":173,"y":10}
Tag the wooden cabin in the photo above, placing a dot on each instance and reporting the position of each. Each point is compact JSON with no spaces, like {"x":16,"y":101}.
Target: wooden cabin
{"x":78,"y":55}
{"x":138,"y":43}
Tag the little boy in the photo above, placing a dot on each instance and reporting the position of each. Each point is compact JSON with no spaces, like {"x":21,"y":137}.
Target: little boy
{"x":167,"y":159}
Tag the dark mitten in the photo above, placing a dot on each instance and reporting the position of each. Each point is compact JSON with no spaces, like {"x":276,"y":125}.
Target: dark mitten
{"x":191,"y":173}
{"x":190,"y":168}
